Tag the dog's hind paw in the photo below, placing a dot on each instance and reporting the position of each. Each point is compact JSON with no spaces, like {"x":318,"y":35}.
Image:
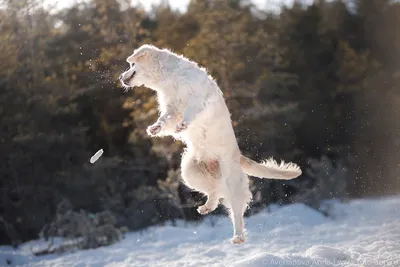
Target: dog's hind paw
{"x":203,"y":210}
{"x":237,"y":239}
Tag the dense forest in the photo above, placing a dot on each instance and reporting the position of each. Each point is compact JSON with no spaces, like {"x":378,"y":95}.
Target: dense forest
{"x":313,"y":84}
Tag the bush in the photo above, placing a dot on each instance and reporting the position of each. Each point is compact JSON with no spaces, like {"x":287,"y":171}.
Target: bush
{"x":326,"y":180}
{"x":80,"y":230}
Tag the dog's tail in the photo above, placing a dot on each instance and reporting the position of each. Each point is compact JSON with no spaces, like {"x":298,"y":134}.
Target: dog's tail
{"x":270,"y":169}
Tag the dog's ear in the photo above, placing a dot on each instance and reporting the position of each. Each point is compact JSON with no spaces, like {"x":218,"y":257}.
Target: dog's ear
{"x":138,"y":54}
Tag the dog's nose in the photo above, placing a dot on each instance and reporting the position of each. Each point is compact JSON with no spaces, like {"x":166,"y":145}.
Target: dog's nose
{"x":120,"y":77}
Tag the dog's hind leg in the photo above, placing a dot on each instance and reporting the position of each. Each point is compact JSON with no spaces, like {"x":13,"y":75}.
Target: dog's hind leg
{"x":197,"y":176}
{"x":210,"y":205}
{"x":236,"y":198}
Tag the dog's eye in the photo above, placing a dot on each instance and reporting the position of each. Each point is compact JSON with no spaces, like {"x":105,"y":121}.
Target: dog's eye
{"x":132,"y":64}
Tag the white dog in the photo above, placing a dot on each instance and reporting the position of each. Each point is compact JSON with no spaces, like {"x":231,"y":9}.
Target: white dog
{"x":193,"y":110}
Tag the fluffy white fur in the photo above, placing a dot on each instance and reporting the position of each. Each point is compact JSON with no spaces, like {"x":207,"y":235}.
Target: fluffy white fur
{"x":193,"y":110}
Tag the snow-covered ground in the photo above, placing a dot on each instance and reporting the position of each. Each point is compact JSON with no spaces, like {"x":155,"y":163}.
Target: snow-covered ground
{"x":362,"y":233}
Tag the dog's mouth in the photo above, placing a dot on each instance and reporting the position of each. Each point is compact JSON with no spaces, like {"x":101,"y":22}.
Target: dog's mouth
{"x":125,"y":81}
{"x":133,"y":75}
{"x":128,"y":79}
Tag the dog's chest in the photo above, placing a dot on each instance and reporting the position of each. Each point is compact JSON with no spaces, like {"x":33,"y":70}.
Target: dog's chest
{"x":172,"y":102}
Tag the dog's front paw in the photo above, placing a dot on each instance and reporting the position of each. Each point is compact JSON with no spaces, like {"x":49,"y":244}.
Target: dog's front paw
{"x":154,"y":129}
{"x":181,"y":126}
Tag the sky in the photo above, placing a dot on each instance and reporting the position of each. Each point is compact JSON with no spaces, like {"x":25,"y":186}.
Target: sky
{"x":176,"y":4}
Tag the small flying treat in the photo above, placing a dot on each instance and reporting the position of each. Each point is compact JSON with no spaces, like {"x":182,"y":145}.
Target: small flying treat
{"x":96,"y":156}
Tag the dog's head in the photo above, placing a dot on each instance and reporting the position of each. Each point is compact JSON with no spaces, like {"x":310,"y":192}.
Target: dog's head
{"x":145,"y":68}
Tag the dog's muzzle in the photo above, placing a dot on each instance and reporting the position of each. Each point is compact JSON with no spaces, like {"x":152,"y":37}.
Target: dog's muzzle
{"x":126,"y":80}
